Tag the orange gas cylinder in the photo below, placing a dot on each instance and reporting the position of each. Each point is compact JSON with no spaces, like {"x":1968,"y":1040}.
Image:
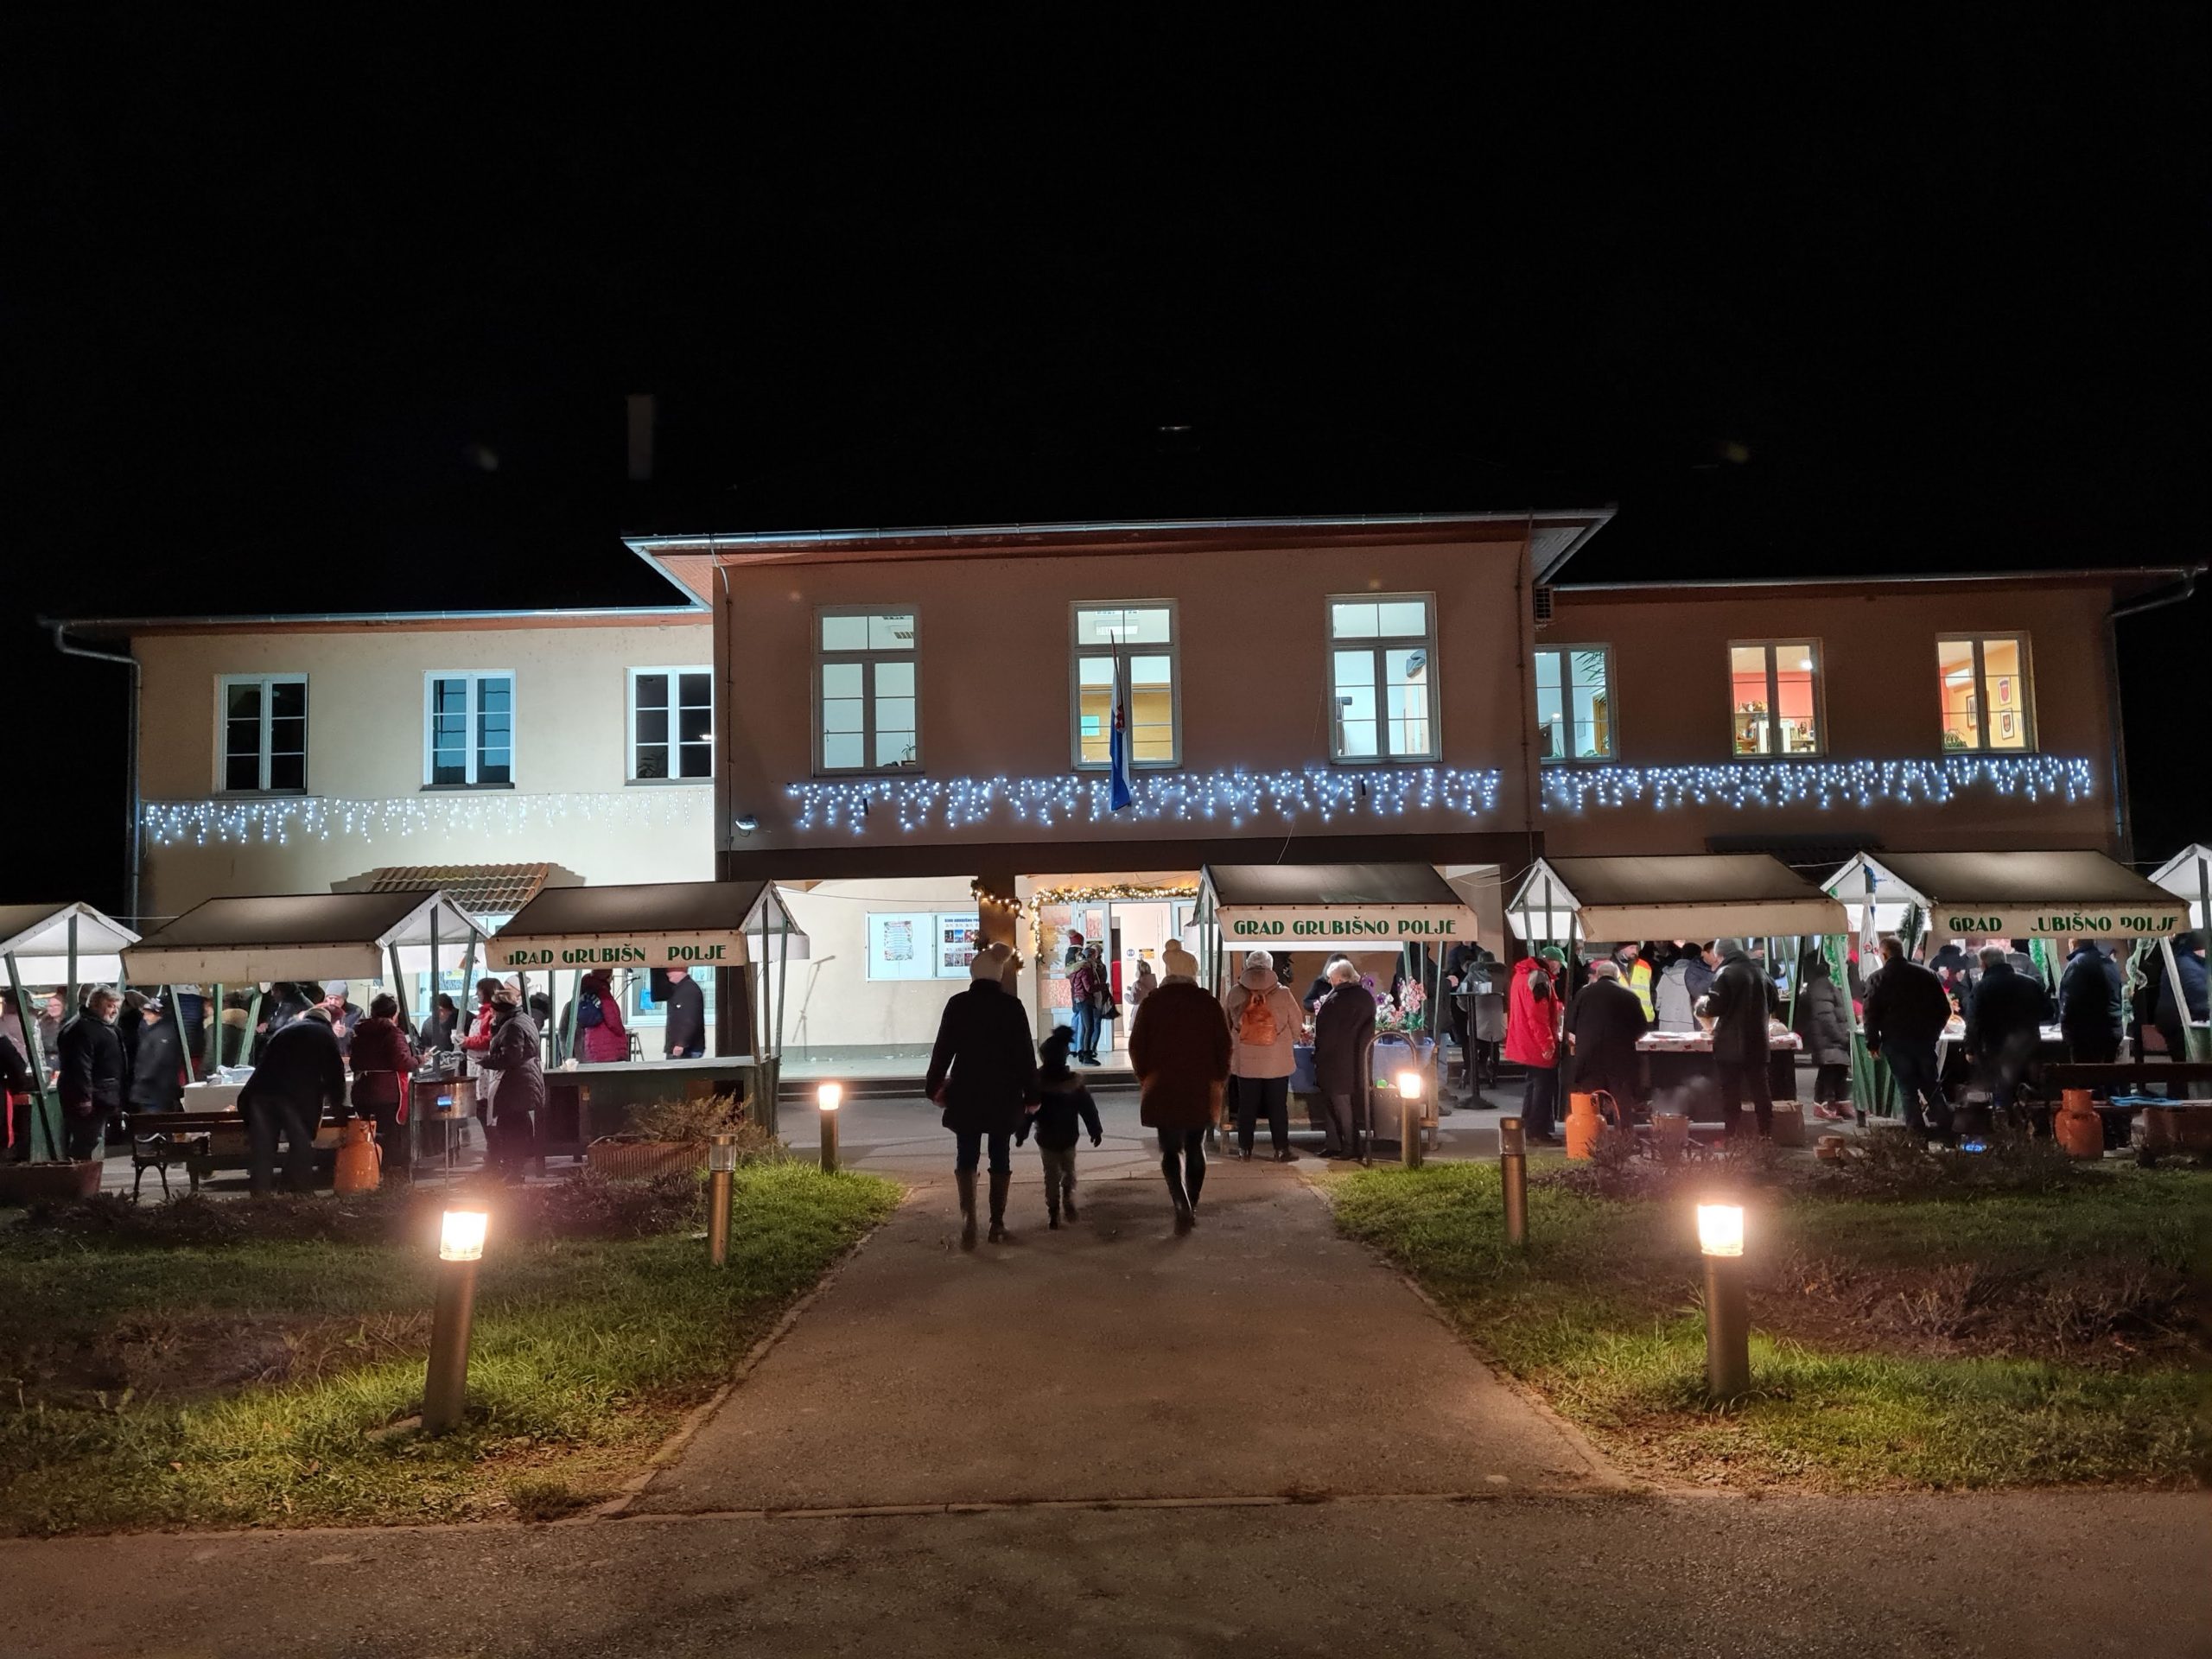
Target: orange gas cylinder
{"x":1584,"y":1126}
{"x":360,"y":1160}
{"x":2077,"y":1126}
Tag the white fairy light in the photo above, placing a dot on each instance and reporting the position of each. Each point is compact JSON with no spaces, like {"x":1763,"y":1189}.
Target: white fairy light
{"x":278,"y":818}
{"x":1821,"y":783}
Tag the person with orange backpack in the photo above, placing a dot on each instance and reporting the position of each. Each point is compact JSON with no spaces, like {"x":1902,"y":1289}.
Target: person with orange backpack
{"x":1264,"y":1020}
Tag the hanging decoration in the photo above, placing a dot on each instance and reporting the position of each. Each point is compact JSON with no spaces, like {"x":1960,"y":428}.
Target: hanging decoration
{"x":281,"y":820}
{"x":1091,"y":895}
{"x":1820,"y":783}
{"x":1316,"y":792}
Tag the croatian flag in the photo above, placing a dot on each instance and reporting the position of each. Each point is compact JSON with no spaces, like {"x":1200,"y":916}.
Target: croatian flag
{"x":1119,"y":791}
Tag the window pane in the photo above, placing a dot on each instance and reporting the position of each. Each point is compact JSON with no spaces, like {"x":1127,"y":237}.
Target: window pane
{"x":651,"y":691}
{"x":1551,"y":720}
{"x":1093,"y":707}
{"x":894,"y":715}
{"x":698,"y":759}
{"x":494,"y":767}
{"x":697,"y":690}
{"x":288,"y":736}
{"x":1406,"y":680}
{"x":842,"y":714}
{"x":1961,"y":707}
{"x":1152,"y":709}
{"x":1401,"y":617}
{"x":842,"y":679}
{"x":844,"y":750}
{"x":1148,"y":627}
{"x":894,"y":749}
{"x":652,"y":725}
{"x":1747,"y":697}
{"x":895,"y":679}
{"x":1355,"y":739}
{"x":892,"y":631}
{"x":288,"y":773}
{"x":652,"y":760}
{"x":242,"y":740}
{"x":1796,"y":731}
{"x":695,"y":725}
{"x":288,"y":697}
{"x":1354,"y":669}
{"x":1352,"y":621}
{"x":1095,"y":626}
{"x":242,"y":771}
{"x":2006,"y":687}
{"x":1591,"y":702}
{"x":844,"y":633}
{"x":494,"y":696}
{"x":245,"y":702}
{"x":1093,"y":670}
{"x":1547,"y":664}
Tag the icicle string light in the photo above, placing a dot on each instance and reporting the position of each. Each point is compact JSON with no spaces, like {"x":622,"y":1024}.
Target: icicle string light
{"x":280,"y":819}
{"x":1821,"y":783}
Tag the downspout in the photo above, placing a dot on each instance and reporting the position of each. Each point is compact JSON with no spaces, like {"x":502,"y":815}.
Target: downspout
{"x":1524,"y":629}
{"x":131,"y":661}
{"x":2123,"y":830}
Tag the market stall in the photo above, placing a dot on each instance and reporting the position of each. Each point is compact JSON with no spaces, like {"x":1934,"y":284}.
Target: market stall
{"x":375,"y":940}
{"x":61,"y":947}
{"x":1393,"y":920}
{"x":1596,"y":903}
{"x":740,"y":930}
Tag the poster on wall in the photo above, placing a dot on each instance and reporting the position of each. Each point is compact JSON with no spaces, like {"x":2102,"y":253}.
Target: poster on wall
{"x":958,"y":939}
{"x":899,"y":945}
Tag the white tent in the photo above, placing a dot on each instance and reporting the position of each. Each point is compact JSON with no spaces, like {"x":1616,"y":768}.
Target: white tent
{"x":2189,"y":873}
{"x":2022,"y":895}
{"x":37,"y":940}
{"x":1683,"y":896}
{"x":316,"y":936}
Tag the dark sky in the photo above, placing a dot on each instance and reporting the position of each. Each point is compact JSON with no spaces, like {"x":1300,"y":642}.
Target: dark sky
{"x":1907,"y":295}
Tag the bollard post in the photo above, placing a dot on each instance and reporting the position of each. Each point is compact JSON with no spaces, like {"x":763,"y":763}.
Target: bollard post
{"x":445,"y":1384}
{"x":1410,"y":1119}
{"x":827,"y":1097}
{"x":722,"y":1169}
{"x":1727,"y":1306}
{"x":1513,"y":1171}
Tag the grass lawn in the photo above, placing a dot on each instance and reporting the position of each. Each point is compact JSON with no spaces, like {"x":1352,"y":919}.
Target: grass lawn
{"x":1972,"y":1338}
{"x":263,"y":1370}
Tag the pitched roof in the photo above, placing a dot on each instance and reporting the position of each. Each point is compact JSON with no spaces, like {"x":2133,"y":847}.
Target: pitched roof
{"x":479,"y":889}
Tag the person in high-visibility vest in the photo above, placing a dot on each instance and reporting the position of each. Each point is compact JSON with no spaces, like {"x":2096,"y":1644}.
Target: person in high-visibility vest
{"x":1636,"y":974}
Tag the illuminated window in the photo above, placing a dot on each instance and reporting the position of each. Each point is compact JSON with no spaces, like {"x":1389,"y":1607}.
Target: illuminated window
{"x":1774,"y":697}
{"x":264,"y":738}
{"x":1575,"y":703}
{"x":1136,"y":642}
{"x":869,"y":698}
{"x":1987,"y":700}
{"x":469,"y":730}
{"x":671,"y":723}
{"x":1382,"y":677}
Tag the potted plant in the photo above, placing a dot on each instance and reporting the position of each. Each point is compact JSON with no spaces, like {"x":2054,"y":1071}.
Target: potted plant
{"x":55,"y":1181}
{"x":666,"y":1136}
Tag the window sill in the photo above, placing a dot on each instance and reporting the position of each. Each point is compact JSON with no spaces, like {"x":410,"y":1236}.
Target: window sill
{"x":1386,"y":760}
{"x":1101,"y":768}
{"x":1990,"y":755}
{"x":1580,"y":760}
{"x":264,"y":795}
{"x":858,"y":774}
{"x":668,"y":783}
{"x":1778,"y":759}
{"x":463,"y":788}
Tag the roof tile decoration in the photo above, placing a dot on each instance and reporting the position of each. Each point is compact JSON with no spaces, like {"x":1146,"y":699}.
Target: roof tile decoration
{"x":479,"y":889}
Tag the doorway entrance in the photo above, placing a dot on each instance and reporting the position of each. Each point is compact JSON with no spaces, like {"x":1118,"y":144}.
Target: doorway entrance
{"x":1129,"y":931}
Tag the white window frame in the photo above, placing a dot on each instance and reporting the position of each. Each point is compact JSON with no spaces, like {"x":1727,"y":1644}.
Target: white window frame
{"x":1380,"y":648}
{"x":223,"y":684}
{"x":868,"y":657}
{"x":674,"y":707}
{"x":1811,"y":648}
{"x":1172,"y":650}
{"x":1980,"y":640}
{"x":474,"y":745}
{"x":1612,"y":754}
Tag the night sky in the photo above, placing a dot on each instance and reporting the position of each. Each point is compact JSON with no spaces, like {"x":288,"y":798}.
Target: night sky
{"x":330,"y":320}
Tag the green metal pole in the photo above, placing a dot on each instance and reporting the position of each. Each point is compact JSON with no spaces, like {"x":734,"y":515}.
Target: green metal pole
{"x":48,"y":1118}
{"x":69,"y":1010}
{"x":399,"y":989}
{"x":213,"y":1034}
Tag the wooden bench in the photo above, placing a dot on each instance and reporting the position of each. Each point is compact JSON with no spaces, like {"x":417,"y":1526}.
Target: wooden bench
{"x":2171,"y":1125}
{"x":203,"y":1142}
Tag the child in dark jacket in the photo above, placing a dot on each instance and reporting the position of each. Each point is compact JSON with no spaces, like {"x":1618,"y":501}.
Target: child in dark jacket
{"x":1066,"y":1102}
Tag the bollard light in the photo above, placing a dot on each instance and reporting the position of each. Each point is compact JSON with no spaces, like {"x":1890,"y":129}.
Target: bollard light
{"x":722,"y":1168}
{"x":1513,"y":1172}
{"x":445,"y":1383}
{"x":827,"y":1096}
{"x":1410,"y":1119}
{"x":1727,"y":1307}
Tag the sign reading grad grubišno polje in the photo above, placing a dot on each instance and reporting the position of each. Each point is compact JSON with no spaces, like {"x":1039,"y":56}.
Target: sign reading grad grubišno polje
{"x":2090,"y":922}
{"x":710,"y":950}
{"x":1349,"y":923}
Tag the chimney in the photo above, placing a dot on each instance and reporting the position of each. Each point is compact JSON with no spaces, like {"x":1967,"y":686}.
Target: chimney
{"x":641,"y":437}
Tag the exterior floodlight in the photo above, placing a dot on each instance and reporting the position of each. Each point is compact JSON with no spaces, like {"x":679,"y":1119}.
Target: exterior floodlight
{"x":722,"y":1166}
{"x":1727,"y":1308}
{"x":827,"y":1096}
{"x":1410,"y":1119}
{"x":1513,"y":1171}
{"x":1410,"y":1084}
{"x":445,"y":1384}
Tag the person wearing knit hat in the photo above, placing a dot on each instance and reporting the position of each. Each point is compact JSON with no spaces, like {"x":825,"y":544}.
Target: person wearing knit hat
{"x":1063,"y":1104}
{"x":983,"y":1072}
{"x":1177,"y":963}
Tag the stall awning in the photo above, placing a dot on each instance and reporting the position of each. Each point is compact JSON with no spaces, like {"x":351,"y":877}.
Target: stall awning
{"x":479,"y":889}
{"x":314,"y":936}
{"x":2188,"y":873}
{"x":1683,"y":896}
{"x":37,"y":937}
{"x":1330,"y":904}
{"x":2040,"y":895}
{"x":657,"y":925}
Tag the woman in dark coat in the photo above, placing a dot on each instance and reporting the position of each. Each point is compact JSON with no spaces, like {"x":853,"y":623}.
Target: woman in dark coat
{"x":156,"y":1061}
{"x":1344,"y":1040}
{"x":983,"y":1072}
{"x":1824,"y":1025}
{"x":1179,"y":1049}
{"x":382,"y":1059}
{"x":513,"y":1057}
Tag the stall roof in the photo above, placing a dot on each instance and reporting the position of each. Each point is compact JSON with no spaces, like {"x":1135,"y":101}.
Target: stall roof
{"x":37,"y":937}
{"x":314,"y":936}
{"x":1331,"y":903}
{"x":2188,"y":873}
{"x":479,"y":889}
{"x":2050,"y":895}
{"x":651,"y":925}
{"x":1691,"y":894}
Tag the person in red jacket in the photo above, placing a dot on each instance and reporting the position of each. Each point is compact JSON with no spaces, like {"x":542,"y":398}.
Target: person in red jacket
{"x":1532,"y":1015}
{"x":600,"y":1035}
{"x":382,"y":1059}
{"x":473,"y":1047}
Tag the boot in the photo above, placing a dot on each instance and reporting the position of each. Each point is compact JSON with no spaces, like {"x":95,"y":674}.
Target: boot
{"x":1194,"y":1180}
{"x":999,"y":1184}
{"x":1067,"y":1199}
{"x":965,"y":1179}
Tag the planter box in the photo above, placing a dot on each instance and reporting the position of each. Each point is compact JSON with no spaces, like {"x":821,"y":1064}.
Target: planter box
{"x":49,"y":1182}
{"x":641,"y":1160}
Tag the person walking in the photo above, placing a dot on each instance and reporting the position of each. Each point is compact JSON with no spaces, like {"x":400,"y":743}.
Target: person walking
{"x":1907,"y":1009}
{"x":1343,"y":1045}
{"x":1142,"y":987}
{"x":382,"y":1059}
{"x":1177,"y":963}
{"x":1602,"y":1024}
{"x":2004,"y":1024}
{"x":2089,"y":1005}
{"x":1179,"y":1047}
{"x":1532,"y":1022}
{"x":1063,"y":1105}
{"x":1265,"y":1019}
{"x":686,"y":1032}
{"x":157,"y":1065}
{"x":93,"y":1077}
{"x":1082,"y":1009}
{"x":601,"y":1037}
{"x":519,"y":1096}
{"x":983,"y":1072}
{"x":1823,"y":1025}
{"x":300,"y":1073}
{"x":1740,"y":1002}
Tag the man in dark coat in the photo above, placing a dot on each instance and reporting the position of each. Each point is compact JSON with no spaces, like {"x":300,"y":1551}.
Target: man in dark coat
{"x":687,"y":1016}
{"x":983,"y":1072}
{"x":301,"y":1072}
{"x":2004,"y":1024}
{"x":514,"y":1058}
{"x":1603,"y":1022}
{"x":1344,"y":1041}
{"x":2089,"y":1005}
{"x":2189,"y":998}
{"x":155,"y":1082}
{"x":92,"y":1079}
{"x":1906,"y":1011}
{"x":1740,"y":1001}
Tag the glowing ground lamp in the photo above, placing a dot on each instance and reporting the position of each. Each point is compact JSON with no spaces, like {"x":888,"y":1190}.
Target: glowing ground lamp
{"x":827,"y":1098}
{"x":1727,"y":1310}
{"x":445,"y":1385}
{"x":1410,"y":1119}
{"x":1513,"y":1172}
{"x":722,"y":1168}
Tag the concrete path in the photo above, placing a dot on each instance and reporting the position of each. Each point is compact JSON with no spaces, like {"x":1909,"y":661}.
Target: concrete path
{"x":1258,"y":1356}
